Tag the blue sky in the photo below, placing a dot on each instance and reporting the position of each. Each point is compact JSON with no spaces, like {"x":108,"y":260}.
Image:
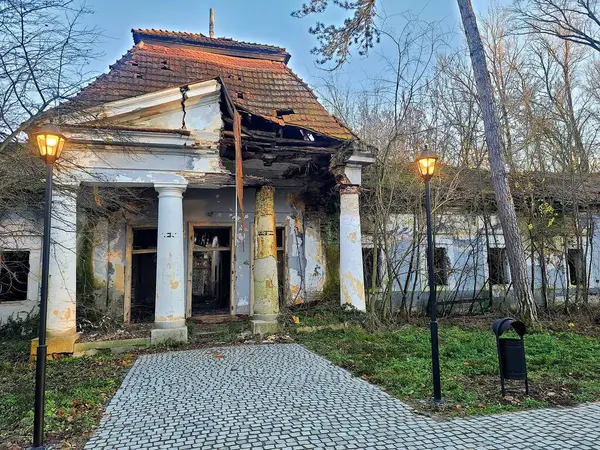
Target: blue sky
{"x":263,"y":21}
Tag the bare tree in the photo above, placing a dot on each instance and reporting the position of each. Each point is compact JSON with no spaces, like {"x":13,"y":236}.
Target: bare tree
{"x":44,"y":54}
{"x":506,"y":210}
{"x":360,"y":29}
{"x":572,"y":20}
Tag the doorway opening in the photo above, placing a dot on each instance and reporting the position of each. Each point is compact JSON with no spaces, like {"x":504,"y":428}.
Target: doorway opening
{"x":211,"y":270}
{"x":143,"y":275}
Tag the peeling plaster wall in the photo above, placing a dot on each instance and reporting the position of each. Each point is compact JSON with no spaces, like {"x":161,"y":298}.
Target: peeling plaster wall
{"x":217,"y":206}
{"x":316,"y":263}
{"x":208,"y":207}
{"x":98,"y":235}
{"x":117,"y":232}
{"x":144,"y":157}
{"x":464,"y":238}
{"x":305,"y":275}
{"x":293,"y":219}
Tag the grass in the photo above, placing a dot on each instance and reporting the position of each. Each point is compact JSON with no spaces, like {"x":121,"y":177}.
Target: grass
{"x":564,"y":367}
{"x":77,"y":391}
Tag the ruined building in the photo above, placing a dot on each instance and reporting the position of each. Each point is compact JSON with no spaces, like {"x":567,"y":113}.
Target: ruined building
{"x":146,"y":225}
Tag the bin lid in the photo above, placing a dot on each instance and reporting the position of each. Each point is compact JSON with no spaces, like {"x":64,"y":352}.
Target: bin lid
{"x":499,"y":326}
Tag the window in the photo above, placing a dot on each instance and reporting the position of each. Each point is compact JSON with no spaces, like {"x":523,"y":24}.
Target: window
{"x":497,"y":266}
{"x":14,"y":271}
{"x":368,"y":261}
{"x":441,"y":266}
{"x":144,"y":238}
{"x":280,"y":242}
{"x":575,"y":266}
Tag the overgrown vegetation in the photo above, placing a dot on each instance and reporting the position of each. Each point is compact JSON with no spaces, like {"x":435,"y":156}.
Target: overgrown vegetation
{"x":77,"y":391}
{"x":544,"y":85}
{"x":564,"y":366}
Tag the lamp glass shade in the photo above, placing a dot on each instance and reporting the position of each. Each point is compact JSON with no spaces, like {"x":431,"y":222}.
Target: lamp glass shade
{"x":426,"y":163}
{"x":50,"y":144}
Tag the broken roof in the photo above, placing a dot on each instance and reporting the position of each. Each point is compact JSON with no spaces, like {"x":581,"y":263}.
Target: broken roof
{"x":255,"y":76}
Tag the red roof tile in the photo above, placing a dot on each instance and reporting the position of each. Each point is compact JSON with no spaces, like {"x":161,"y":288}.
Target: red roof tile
{"x":197,"y":39}
{"x":265,"y":85}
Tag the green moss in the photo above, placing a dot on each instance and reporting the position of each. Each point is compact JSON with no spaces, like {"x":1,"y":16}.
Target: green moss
{"x":86,"y":284}
{"x":331,"y":289}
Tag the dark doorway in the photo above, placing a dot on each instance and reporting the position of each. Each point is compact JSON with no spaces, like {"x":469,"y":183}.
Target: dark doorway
{"x":143,"y":275}
{"x":211,"y":271}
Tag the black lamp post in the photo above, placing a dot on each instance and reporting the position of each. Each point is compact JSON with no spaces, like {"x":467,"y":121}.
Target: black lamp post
{"x":426,"y":163}
{"x":50,"y":143}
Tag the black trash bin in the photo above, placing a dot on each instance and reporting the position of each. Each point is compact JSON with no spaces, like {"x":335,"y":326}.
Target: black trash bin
{"x":511,"y":351}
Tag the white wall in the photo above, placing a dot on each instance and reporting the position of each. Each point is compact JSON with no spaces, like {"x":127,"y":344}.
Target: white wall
{"x":17,"y":235}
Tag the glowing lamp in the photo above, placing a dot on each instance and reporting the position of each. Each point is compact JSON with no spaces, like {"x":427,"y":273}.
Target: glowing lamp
{"x":426,"y":162}
{"x":50,"y":142}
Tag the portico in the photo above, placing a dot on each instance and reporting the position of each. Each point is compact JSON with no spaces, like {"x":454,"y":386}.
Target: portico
{"x":165,"y":209}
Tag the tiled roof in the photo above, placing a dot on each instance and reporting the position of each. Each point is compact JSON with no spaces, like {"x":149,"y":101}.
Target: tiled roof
{"x":259,"y":86}
{"x":198,"y":39}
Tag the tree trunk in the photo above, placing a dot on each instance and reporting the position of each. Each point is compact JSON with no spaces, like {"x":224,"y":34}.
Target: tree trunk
{"x":504,"y":200}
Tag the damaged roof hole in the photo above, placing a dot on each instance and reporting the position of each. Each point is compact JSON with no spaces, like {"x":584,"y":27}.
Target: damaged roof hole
{"x":307,"y":135}
{"x":134,"y":64}
{"x":240,"y":95}
{"x":239,"y":78}
{"x":165,"y":66}
{"x":283,"y":112}
{"x":139,"y":75}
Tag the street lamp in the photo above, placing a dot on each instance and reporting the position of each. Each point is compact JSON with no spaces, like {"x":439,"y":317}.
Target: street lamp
{"x":50,"y":143}
{"x":426,"y":163}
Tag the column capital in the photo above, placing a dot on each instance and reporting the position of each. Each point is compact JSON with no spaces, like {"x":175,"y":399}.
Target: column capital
{"x":346,"y":189}
{"x":170,"y":189}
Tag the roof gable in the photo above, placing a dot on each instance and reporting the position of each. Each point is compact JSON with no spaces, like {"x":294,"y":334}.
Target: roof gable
{"x":262,"y":87}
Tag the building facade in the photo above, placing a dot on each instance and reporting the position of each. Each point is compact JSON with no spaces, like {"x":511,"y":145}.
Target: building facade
{"x":194,"y":181}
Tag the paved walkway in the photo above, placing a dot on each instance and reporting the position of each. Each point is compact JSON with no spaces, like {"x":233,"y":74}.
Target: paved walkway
{"x":286,"y":397}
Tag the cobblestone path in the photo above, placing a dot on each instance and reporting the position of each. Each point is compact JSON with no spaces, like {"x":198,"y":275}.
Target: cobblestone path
{"x":286,"y":397}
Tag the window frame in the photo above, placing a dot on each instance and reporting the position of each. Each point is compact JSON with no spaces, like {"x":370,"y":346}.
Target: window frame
{"x":27,"y":275}
{"x":502,"y":263}
{"x":379,"y":276}
{"x":571,"y":267}
{"x":446,"y":266}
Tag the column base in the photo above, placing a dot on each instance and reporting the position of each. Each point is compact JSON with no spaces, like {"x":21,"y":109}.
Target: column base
{"x":169,"y":324}
{"x":261,"y":326}
{"x":159,"y":336}
{"x":55,"y":345}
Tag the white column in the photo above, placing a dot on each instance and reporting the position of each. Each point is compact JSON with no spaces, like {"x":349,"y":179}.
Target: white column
{"x":169,"y":310}
{"x":352,"y":285}
{"x":63,"y":266}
